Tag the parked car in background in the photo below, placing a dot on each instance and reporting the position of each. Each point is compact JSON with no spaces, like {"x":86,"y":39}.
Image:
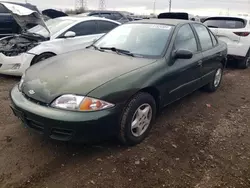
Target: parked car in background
{"x":113,"y":15}
{"x":8,"y":25}
{"x":117,"y":85}
{"x":235,"y":31}
{"x":50,"y":38}
{"x":178,"y":15}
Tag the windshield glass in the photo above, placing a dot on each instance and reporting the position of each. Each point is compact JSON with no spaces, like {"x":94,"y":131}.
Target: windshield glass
{"x":54,"y":25}
{"x":139,"y":39}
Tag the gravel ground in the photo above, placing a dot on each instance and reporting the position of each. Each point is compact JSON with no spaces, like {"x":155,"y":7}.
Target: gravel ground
{"x":201,"y":141}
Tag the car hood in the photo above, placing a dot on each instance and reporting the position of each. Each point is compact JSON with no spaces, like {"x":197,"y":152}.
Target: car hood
{"x":24,"y":16}
{"x":77,"y":72}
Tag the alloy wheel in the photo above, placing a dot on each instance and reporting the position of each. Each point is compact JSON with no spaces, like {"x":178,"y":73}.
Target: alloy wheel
{"x":141,"y":120}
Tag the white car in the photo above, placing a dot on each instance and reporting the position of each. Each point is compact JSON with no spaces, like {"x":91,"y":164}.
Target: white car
{"x":47,"y":39}
{"x":235,"y":31}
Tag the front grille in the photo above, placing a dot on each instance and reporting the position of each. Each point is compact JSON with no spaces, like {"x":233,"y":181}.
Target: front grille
{"x":34,"y":100}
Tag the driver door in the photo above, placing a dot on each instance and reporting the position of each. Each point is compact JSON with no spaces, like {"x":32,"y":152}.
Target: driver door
{"x":86,"y":34}
{"x":184,"y":75}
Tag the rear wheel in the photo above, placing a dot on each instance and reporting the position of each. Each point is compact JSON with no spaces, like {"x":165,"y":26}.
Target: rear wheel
{"x":137,"y":118}
{"x":42,"y":57}
{"x":244,"y":63}
{"x":217,"y":78}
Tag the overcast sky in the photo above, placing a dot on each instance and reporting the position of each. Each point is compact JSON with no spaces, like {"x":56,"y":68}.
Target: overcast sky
{"x":143,"y":6}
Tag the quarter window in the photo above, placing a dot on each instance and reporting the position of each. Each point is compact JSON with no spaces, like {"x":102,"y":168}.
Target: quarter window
{"x":204,"y":36}
{"x":185,"y":39}
{"x":85,"y":28}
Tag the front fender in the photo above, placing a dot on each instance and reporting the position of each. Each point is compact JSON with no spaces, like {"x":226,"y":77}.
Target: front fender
{"x":44,"y":47}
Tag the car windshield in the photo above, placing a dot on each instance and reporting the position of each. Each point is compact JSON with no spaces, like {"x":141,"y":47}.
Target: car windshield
{"x":54,"y":25}
{"x":144,"y":40}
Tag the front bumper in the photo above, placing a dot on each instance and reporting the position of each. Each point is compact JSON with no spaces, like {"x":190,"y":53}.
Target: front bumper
{"x":64,"y":125}
{"x":7,"y":64}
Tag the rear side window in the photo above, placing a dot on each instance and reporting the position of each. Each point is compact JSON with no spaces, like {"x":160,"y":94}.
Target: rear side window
{"x":204,"y":36}
{"x":225,"y":23}
{"x":185,"y":39}
{"x":107,"y":15}
{"x":105,"y":26}
{"x":117,"y":16}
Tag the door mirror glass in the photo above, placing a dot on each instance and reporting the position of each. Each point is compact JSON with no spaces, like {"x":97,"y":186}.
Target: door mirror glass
{"x":69,"y":34}
{"x":183,"y":54}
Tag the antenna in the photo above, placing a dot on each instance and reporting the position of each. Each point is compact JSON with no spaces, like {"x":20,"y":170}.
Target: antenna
{"x":102,"y":4}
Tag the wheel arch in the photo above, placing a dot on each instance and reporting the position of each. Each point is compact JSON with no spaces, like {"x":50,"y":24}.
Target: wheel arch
{"x":155,"y":93}
{"x":36,"y":56}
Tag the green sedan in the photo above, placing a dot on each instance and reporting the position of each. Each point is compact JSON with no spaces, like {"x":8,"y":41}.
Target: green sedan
{"x":117,"y":85}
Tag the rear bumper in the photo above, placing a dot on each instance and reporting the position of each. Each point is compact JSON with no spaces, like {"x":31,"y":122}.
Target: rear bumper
{"x":64,"y":125}
{"x":7,"y":64}
{"x":238,"y":49}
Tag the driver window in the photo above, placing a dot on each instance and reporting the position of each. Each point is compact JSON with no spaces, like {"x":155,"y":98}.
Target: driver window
{"x":85,"y":28}
{"x":185,"y":39}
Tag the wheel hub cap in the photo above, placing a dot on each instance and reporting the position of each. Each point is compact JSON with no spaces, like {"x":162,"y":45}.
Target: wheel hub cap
{"x":141,"y":120}
{"x":217,"y":78}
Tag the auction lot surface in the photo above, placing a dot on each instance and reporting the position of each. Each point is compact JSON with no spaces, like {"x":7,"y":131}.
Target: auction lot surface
{"x":201,"y":141}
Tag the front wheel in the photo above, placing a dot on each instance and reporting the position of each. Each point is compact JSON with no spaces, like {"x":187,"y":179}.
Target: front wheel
{"x":137,"y":118}
{"x":217,"y":78}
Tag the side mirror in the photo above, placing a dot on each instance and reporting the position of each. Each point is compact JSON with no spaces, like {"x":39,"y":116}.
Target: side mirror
{"x":183,"y":54}
{"x":69,"y":34}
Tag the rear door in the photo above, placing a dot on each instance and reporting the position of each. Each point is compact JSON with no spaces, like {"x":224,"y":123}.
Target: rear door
{"x":226,"y":28}
{"x":210,"y":52}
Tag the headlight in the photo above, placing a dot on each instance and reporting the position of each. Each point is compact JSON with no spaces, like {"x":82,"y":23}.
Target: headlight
{"x":21,"y":82}
{"x":80,"y":103}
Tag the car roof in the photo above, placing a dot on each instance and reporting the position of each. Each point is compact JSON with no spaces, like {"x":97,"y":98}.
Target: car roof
{"x":220,"y":16}
{"x":85,"y":18}
{"x":165,"y":21}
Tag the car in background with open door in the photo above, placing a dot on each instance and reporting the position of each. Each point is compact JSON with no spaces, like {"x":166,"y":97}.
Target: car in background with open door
{"x":235,"y":31}
{"x":47,"y":39}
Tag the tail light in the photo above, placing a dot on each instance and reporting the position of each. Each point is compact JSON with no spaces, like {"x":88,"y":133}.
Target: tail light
{"x":242,"y":34}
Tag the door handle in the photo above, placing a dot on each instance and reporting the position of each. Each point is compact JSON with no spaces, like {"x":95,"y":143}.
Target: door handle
{"x":200,"y":63}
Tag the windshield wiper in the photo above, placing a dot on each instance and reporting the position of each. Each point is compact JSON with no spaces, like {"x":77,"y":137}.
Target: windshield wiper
{"x":95,"y":47}
{"x":117,"y":50}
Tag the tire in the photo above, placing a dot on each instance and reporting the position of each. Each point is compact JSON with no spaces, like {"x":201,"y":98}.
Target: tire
{"x":213,"y":85}
{"x":129,"y":136}
{"x":244,"y":63}
{"x":42,"y":57}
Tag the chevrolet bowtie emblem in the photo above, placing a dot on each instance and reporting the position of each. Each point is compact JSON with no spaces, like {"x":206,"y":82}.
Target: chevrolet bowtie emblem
{"x":32,"y":92}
